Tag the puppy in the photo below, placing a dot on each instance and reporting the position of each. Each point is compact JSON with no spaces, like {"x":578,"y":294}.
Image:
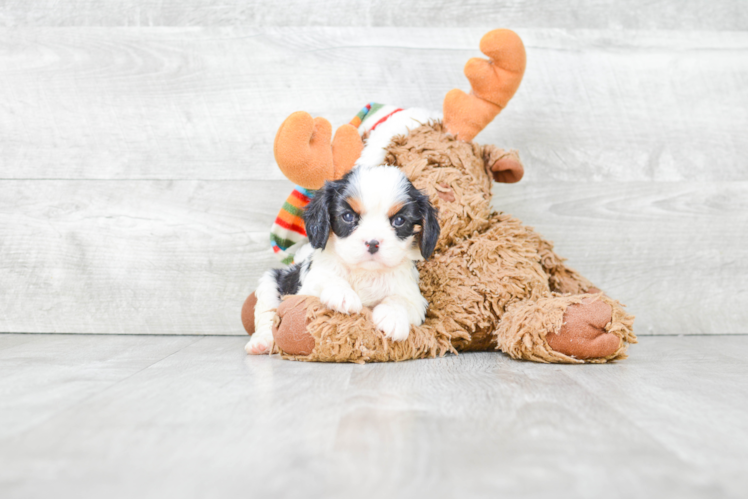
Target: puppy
{"x":366,"y":231}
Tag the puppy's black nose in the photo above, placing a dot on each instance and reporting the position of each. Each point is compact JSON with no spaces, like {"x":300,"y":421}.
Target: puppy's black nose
{"x":373,"y":246}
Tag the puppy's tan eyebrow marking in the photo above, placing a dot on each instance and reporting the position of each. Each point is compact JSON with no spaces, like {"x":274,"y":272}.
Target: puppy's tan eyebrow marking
{"x":355,"y":204}
{"x":395,"y":209}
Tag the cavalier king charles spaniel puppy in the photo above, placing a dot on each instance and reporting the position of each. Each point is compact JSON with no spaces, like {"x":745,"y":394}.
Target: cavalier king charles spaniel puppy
{"x":366,"y":231}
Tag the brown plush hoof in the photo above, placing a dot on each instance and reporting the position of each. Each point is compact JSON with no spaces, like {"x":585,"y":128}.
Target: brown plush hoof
{"x":289,"y":331}
{"x":583,"y":334}
{"x":248,"y":313}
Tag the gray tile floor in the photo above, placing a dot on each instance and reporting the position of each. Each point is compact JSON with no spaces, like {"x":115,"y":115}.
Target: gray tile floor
{"x":193,"y":416}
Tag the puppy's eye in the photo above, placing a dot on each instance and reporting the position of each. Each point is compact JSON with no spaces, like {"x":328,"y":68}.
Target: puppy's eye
{"x":398,"y":221}
{"x":348,"y":217}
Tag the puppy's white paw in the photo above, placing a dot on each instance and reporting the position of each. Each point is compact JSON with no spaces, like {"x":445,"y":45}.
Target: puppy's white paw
{"x":260,"y":343}
{"x":341,"y":299}
{"x":392,"y":320}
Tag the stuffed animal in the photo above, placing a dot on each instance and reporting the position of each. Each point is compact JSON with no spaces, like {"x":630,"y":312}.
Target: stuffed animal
{"x":492,"y":283}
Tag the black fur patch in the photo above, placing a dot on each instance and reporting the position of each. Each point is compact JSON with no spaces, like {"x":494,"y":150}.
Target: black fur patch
{"x":419,"y":211}
{"x":341,"y":227}
{"x":325,"y":213}
{"x":288,"y":280}
{"x":317,"y":218}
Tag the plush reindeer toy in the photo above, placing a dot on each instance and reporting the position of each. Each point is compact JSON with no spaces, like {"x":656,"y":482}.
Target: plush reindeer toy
{"x":492,"y":283}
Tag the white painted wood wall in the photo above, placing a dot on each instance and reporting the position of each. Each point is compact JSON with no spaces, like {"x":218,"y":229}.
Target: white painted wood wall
{"x":137,"y":182}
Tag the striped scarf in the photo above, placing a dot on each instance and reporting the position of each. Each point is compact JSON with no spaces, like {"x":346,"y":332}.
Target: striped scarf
{"x":288,"y":233}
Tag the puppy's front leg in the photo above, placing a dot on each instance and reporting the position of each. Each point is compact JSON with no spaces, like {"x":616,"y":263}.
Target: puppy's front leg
{"x":340,"y":297}
{"x":396,"y":313}
{"x":334,"y":292}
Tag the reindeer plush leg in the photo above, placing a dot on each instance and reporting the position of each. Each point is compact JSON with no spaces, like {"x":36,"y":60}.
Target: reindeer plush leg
{"x":585,"y":328}
{"x":306,"y":330}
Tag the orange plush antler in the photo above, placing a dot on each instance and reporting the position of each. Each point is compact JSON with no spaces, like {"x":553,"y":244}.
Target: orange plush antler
{"x":494,"y":82}
{"x":304,"y":153}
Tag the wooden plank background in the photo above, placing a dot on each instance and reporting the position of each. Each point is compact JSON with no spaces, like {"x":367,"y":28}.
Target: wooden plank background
{"x":137,"y":183}
{"x":573,"y":14}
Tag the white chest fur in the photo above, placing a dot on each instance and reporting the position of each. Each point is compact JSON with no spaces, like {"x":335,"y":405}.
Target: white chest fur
{"x":372,"y":286}
{"x":375,"y":286}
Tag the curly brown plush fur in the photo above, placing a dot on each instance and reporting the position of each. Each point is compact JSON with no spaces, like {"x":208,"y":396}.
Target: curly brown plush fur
{"x":493,"y":283}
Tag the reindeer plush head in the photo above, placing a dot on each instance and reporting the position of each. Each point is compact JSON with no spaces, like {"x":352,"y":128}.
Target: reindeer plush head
{"x":438,"y":156}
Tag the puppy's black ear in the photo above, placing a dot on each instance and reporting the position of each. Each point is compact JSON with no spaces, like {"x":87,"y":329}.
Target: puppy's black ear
{"x":317,"y":217}
{"x":431,"y":229}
